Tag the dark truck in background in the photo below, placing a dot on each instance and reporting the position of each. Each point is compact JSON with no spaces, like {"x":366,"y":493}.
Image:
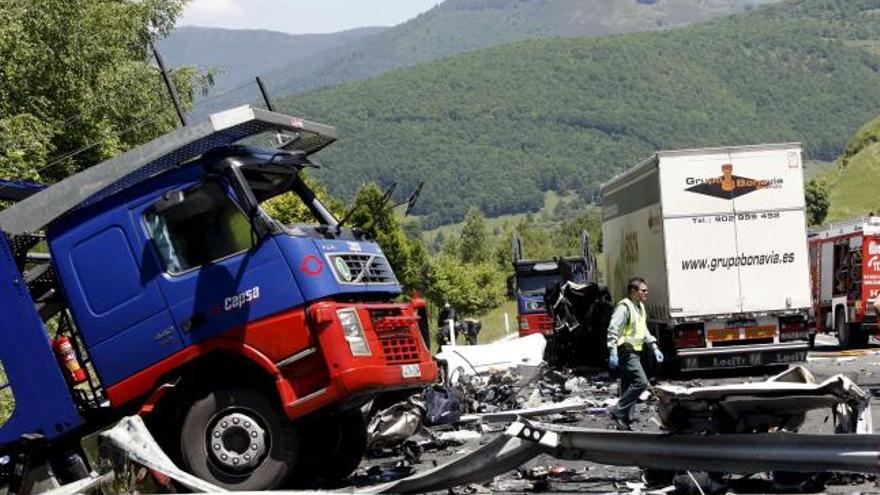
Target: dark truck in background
{"x":532,"y":278}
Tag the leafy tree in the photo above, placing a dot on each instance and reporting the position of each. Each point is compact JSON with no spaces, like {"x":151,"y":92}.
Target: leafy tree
{"x":471,"y":288}
{"x":288,"y":208}
{"x":817,"y":202}
{"x":474,"y":238}
{"x":439,"y":239}
{"x":570,"y":235}
{"x":76,"y":84}
{"x":408,"y":257}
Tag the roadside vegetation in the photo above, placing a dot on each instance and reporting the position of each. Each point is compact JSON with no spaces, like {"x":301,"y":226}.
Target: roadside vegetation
{"x":78,"y":85}
{"x":7,"y":400}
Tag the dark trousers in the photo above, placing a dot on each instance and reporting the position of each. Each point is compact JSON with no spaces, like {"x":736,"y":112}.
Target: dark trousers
{"x":633,"y":381}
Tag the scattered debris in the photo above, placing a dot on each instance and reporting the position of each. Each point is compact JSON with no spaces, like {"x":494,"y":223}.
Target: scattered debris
{"x":723,"y":453}
{"x":573,"y":404}
{"x":779,"y":403}
{"x":442,"y":405}
{"x":459,"y":436}
{"x":475,"y":359}
{"x":395,"y":425}
{"x":581,"y":313}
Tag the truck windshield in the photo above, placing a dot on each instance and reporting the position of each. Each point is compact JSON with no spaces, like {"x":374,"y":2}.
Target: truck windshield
{"x":536,"y":283}
{"x":205,"y":227}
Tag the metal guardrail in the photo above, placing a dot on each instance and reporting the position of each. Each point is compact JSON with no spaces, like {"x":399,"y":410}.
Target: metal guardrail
{"x":524,"y":440}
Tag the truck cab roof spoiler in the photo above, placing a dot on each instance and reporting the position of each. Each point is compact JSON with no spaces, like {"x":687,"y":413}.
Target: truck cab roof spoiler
{"x":157,"y":156}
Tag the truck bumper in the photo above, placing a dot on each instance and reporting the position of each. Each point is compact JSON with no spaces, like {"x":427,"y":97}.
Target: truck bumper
{"x":869,"y":325}
{"x":398,"y":357}
{"x":745,"y":356}
{"x":531,"y":323}
{"x":354,"y":387}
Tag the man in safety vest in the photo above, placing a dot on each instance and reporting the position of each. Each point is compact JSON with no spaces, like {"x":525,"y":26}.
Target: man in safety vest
{"x":627,"y":335}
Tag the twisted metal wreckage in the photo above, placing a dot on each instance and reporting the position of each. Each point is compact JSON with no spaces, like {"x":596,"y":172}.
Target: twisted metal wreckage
{"x":742,"y":429}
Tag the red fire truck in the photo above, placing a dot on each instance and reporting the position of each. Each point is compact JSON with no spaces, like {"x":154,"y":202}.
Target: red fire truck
{"x":845,"y":269}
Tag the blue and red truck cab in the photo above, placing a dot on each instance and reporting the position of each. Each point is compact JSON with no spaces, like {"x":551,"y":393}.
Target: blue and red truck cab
{"x":532,"y":277}
{"x":249,"y":346}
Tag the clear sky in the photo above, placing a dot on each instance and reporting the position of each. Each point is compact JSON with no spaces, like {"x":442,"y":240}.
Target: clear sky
{"x":301,"y":16}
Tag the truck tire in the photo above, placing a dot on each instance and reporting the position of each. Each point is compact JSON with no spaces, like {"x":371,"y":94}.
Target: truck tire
{"x":842,"y":329}
{"x":347,"y":451}
{"x":238,"y":439}
{"x":850,"y":336}
{"x":335,"y":444}
{"x":858,"y":337}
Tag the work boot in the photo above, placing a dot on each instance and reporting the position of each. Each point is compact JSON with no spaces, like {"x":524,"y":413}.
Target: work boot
{"x":620,"y":422}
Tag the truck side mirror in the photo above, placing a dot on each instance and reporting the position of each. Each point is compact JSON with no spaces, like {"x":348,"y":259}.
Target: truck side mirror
{"x":169,"y":199}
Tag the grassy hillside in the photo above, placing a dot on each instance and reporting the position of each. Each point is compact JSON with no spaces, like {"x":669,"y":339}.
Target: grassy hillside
{"x":855,"y":181}
{"x":456,"y":26}
{"x":498,"y":127}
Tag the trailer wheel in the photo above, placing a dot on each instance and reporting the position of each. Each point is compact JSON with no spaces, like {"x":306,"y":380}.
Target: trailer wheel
{"x":238,"y":439}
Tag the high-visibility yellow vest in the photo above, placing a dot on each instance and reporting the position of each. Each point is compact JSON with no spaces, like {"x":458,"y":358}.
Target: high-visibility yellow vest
{"x":636,"y":327}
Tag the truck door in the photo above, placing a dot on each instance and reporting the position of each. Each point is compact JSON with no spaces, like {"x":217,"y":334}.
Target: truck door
{"x":113,"y":295}
{"x":217,"y":275}
{"x":700,"y":236}
{"x":768,"y":202}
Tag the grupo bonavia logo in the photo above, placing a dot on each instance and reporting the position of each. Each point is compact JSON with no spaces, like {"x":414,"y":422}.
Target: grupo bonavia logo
{"x":729,"y":186}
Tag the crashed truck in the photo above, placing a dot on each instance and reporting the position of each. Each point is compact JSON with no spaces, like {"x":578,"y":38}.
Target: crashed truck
{"x":720,"y":236}
{"x":154,"y":283}
{"x":561,"y":299}
{"x":532,"y":277}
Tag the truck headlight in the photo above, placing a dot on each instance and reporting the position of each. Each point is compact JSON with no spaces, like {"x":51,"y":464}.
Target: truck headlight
{"x":534,"y":305}
{"x":354,"y":332}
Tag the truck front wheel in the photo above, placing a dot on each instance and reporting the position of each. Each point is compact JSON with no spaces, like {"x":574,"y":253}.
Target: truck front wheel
{"x":347,"y":442}
{"x":849,"y":336}
{"x":238,"y":439}
{"x":842,"y":329}
{"x":335,"y":444}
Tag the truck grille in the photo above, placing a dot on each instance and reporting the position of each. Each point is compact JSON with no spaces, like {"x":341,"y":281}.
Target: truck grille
{"x":395,"y":335}
{"x":400,"y":351}
{"x":355,"y":268}
{"x":545,"y":322}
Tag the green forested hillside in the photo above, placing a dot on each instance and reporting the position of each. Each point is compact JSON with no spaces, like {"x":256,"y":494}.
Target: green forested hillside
{"x":298,"y":63}
{"x":456,"y":26}
{"x":496,"y":127}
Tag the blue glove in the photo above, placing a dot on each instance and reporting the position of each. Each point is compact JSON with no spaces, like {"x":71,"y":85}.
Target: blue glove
{"x":658,"y":355}
{"x":612,"y":359}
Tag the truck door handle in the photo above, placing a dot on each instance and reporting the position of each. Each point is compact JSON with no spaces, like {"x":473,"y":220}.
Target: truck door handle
{"x":192,"y":322}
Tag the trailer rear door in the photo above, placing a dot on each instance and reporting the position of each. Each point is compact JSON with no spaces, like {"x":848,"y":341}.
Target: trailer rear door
{"x":700,"y":236}
{"x":735,"y":231}
{"x":771,"y":229}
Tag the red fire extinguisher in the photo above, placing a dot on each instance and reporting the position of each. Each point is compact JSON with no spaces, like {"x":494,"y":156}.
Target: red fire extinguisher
{"x":67,"y":357}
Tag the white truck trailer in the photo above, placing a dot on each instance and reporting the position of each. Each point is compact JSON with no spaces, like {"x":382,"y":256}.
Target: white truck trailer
{"x":720,"y":236}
